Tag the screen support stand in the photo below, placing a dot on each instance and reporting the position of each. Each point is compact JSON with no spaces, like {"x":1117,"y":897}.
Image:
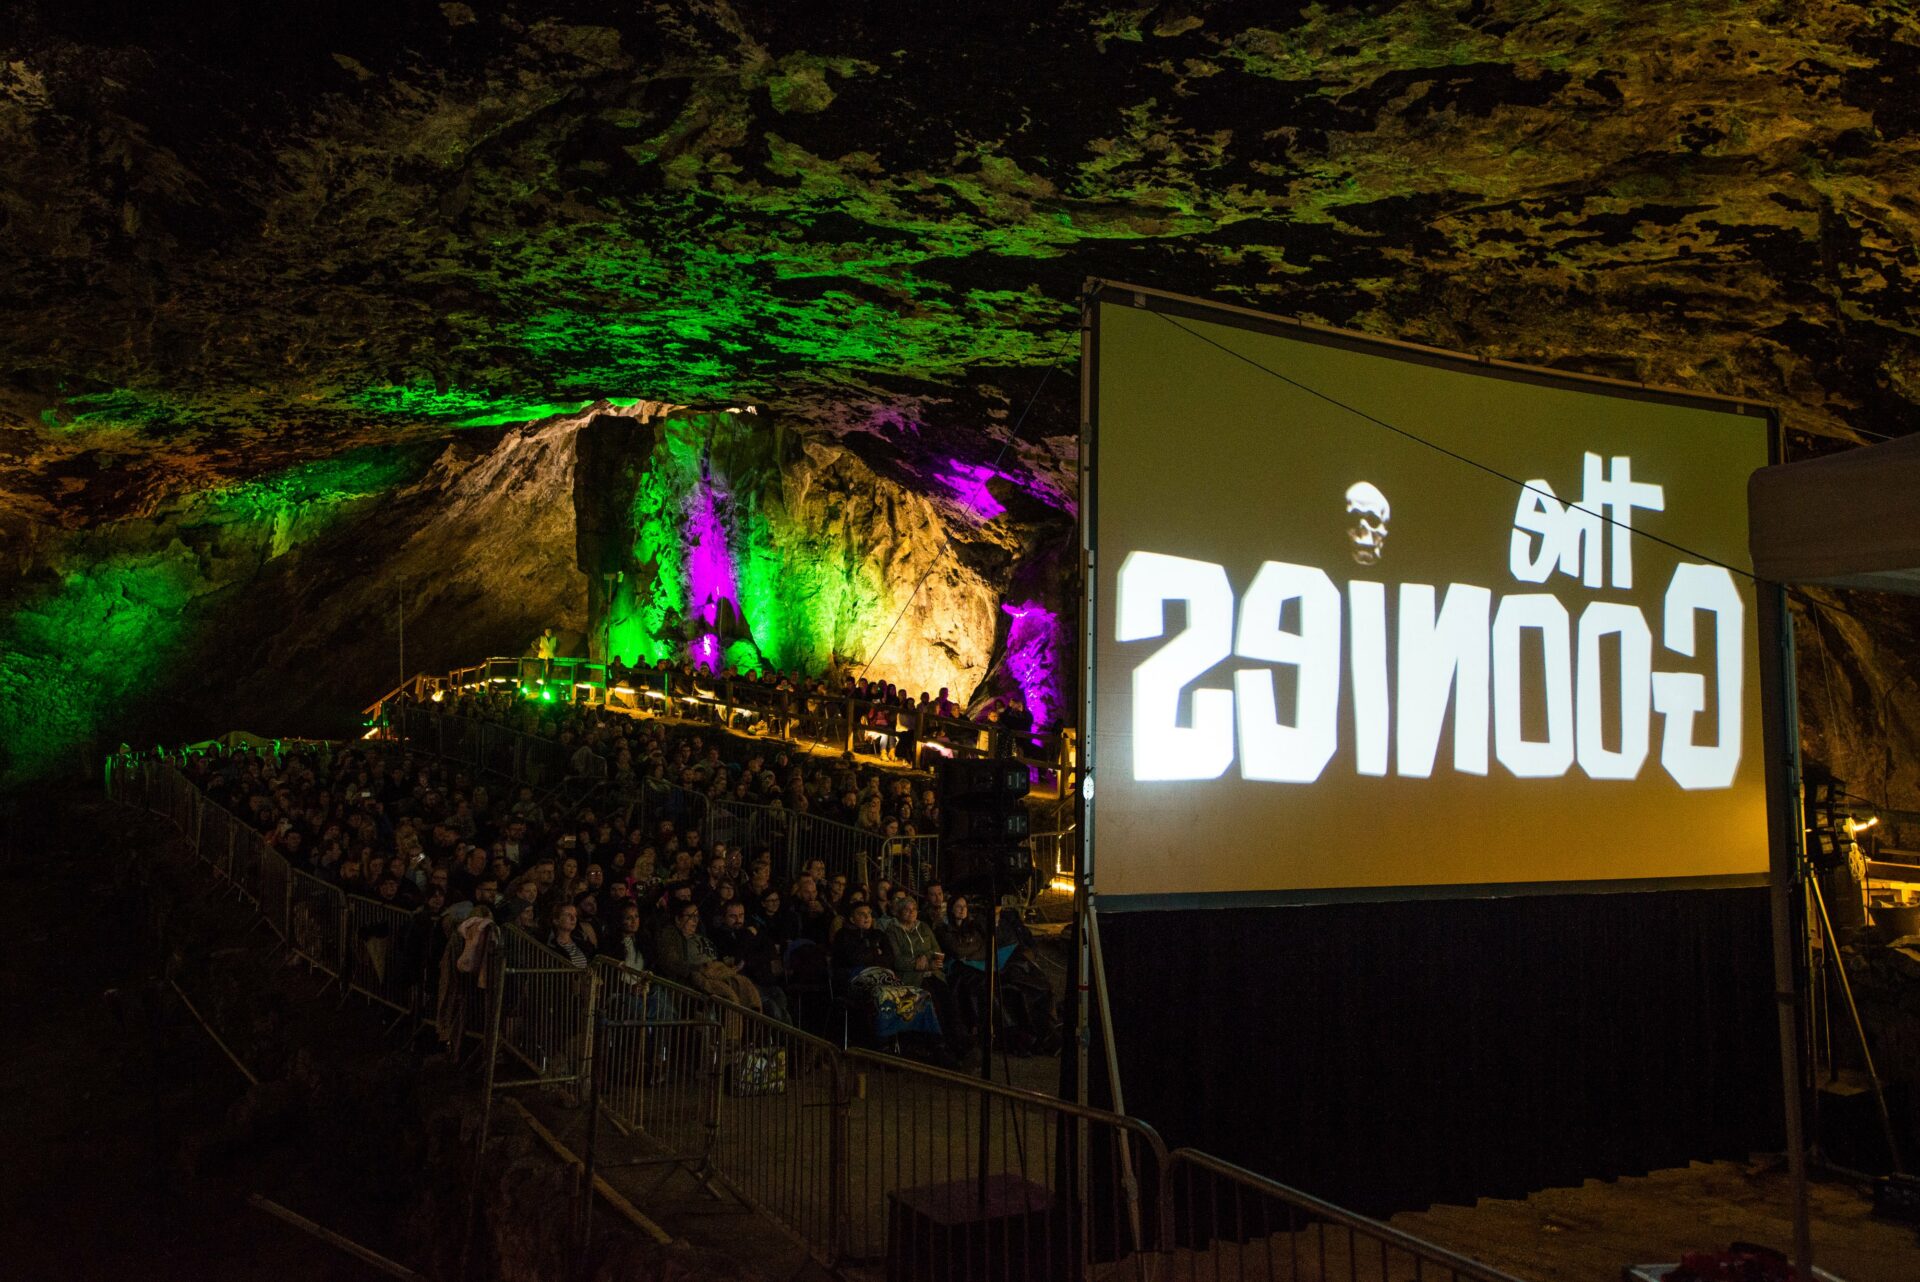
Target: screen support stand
{"x":1782,"y":739}
{"x":1830,"y":953}
{"x":1099,"y":978}
{"x":1129,"y":1185}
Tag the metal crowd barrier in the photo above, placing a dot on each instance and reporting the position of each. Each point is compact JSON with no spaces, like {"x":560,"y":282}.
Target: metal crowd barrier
{"x":386,"y":948}
{"x":791,"y":838}
{"x":780,"y":1140}
{"x":316,"y":922}
{"x":543,"y":1003}
{"x":1067,"y":1191}
{"x":246,"y":865}
{"x":658,"y":1062}
{"x":1055,"y":854}
{"x":216,"y":838}
{"x":749,"y":827}
{"x":276,"y":889}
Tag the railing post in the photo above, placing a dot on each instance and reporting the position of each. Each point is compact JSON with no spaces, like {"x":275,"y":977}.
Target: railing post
{"x":838,"y":1213}
{"x":340,"y":952}
{"x":286,"y":897}
{"x":717,"y":1077}
{"x":591,"y":1013}
{"x":848,"y":744}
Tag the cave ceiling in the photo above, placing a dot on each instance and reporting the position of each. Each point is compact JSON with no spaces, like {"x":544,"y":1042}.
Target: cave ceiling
{"x":235,"y":239}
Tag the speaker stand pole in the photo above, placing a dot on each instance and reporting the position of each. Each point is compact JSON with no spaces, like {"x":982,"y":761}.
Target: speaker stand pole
{"x":986,"y":1045}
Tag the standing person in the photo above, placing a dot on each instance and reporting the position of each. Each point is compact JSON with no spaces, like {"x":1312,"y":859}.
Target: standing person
{"x":559,"y":1050}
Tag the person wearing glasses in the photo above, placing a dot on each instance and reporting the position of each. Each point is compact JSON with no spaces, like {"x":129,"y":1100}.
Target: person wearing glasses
{"x":684,"y":954}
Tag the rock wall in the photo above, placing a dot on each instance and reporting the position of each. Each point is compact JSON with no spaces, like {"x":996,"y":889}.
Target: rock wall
{"x":277,"y":606}
{"x":643,"y":533}
{"x":746,"y":544}
{"x":1859,"y":698}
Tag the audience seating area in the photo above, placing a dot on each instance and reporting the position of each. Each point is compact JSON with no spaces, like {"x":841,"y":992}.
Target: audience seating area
{"x":801,"y":886}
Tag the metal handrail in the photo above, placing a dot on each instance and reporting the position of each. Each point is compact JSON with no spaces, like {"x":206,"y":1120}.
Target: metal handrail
{"x":847,"y":711}
{"x":1319,"y":1208}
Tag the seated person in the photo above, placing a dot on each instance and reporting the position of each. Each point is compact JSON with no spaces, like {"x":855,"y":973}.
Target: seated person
{"x":740,"y":945}
{"x":683,"y":954}
{"x":918,"y":961}
{"x":864,"y":959}
{"x":966,"y":944}
{"x":1026,"y":997}
{"x":816,"y":916}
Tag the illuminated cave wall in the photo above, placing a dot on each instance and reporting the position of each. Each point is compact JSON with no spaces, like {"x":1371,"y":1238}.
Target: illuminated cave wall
{"x":750,"y":546}
{"x":272,"y":605}
{"x":98,"y":622}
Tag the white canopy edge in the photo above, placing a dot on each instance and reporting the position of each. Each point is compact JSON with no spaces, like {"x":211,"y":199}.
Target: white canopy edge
{"x":1850,"y":520}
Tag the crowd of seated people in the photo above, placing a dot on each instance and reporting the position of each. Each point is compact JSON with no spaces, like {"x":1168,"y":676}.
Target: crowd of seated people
{"x":633,"y":754}
{"x":897,"y":726}
{"x":461,"y":857}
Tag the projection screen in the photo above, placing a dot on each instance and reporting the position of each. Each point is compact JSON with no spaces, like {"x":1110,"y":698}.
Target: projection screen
{"x":1371,"y":620}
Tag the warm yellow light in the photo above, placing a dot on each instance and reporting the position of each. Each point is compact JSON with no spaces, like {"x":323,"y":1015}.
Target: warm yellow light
{"x":1064,"y":885}
{"x":1855,"y":826}
{"x":439,"y":695}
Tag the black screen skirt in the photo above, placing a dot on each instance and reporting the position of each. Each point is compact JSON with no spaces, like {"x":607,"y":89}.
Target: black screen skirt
{"x":1387,"y":1056}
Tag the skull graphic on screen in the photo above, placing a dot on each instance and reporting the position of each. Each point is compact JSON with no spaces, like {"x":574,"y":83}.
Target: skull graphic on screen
{"x":1367,"y":513}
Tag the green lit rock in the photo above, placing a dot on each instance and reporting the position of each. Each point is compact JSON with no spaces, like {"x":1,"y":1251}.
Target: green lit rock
{"x":793,"y":554}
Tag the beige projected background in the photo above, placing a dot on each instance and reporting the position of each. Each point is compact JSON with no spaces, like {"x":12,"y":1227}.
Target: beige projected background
{"x":1200,"y":455}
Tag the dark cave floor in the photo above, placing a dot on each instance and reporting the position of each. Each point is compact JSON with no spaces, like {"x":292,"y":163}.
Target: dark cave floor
{"x":104,"y":1083}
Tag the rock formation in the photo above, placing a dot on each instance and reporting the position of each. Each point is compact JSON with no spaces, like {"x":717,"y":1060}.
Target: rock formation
{"x":278,"y":605}
{"x":755,"y":548}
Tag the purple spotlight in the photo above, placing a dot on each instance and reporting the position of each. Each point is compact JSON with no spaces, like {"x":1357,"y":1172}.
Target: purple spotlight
{"x":709,"y":566}
{"x":968,"y":481}
{"x":1033,"y":657}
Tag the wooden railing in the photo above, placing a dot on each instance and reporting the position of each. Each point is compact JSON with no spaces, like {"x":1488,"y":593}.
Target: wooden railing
{"x":798,"y":717}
